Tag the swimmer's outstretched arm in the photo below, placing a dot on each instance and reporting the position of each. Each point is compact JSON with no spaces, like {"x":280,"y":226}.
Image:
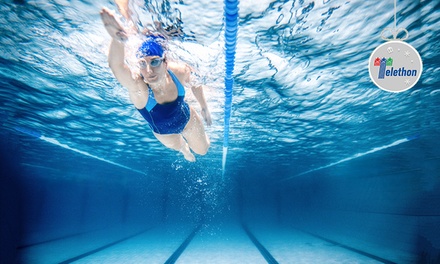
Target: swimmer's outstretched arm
{"x":116,"y":52}
{"x":123,"y":8}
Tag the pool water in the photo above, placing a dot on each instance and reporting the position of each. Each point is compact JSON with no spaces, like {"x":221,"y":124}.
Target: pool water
{"x":322,"y":165}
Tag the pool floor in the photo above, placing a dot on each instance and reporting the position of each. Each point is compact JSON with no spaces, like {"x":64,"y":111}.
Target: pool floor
{"x":191,"y":244}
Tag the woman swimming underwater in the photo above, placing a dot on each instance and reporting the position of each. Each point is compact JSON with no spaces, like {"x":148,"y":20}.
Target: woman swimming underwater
{"x":158,"y":92}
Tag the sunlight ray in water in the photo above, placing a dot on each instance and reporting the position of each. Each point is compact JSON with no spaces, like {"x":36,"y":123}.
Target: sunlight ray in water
{"x":57,"y":143}
{"x":355,"y":156}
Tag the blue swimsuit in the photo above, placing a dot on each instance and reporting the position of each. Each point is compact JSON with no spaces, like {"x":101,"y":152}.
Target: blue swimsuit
{"x":168,"y":118}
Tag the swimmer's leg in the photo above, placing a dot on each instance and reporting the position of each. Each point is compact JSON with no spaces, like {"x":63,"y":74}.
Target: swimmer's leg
{"x":176,"y":142}
{"x":195,"y":134}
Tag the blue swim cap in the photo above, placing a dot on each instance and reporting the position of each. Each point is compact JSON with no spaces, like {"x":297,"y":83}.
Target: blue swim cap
{"x":151,"y":47}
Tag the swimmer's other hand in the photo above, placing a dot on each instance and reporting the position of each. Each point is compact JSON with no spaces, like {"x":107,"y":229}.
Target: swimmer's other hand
{"x":206,"y":116}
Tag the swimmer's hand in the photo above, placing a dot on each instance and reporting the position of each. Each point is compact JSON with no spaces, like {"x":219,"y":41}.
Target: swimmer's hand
{"x":113,"y":25}
{"x":206,"y":116}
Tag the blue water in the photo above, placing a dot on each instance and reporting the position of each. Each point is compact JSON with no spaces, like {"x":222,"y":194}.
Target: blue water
{"x":323,"y":166}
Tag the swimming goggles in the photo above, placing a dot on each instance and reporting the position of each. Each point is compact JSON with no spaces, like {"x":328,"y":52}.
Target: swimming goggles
{"x":153,"y":63}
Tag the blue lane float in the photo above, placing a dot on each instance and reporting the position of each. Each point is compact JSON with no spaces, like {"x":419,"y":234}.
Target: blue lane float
{"x":231,"y":29}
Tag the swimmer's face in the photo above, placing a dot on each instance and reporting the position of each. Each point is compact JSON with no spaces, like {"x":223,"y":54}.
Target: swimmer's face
{"x":152,"y":68}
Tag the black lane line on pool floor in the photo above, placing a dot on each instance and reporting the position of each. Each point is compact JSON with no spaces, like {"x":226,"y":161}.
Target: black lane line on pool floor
{"x":366,"y":254}
{"x":173,"y":258}
{"x":103,"y":247}
{"x":55,"y":239}
{"x":266,"y":254}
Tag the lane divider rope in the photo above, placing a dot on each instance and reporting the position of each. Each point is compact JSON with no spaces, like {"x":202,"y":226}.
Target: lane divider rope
{"x":231,"y":29}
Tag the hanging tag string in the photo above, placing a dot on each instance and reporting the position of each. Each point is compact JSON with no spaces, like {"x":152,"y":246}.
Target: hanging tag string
{"x":394,"y":31}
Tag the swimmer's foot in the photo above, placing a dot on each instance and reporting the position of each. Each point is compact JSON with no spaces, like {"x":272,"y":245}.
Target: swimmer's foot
{"x":189,"y":157}
{"x":187,"y":154}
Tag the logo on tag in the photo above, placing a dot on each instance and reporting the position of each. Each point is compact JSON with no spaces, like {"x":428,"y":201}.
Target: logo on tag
{"x":395,"y":66}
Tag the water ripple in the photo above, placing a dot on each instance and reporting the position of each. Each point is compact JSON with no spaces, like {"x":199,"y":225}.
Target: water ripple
{"x":302,"y":90}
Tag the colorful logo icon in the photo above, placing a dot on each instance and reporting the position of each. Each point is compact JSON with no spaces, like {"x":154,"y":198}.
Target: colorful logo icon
{"x":395,"y":66}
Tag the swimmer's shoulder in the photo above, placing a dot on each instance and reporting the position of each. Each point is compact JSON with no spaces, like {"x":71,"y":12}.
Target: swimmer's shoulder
{"x":181,"y":70}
